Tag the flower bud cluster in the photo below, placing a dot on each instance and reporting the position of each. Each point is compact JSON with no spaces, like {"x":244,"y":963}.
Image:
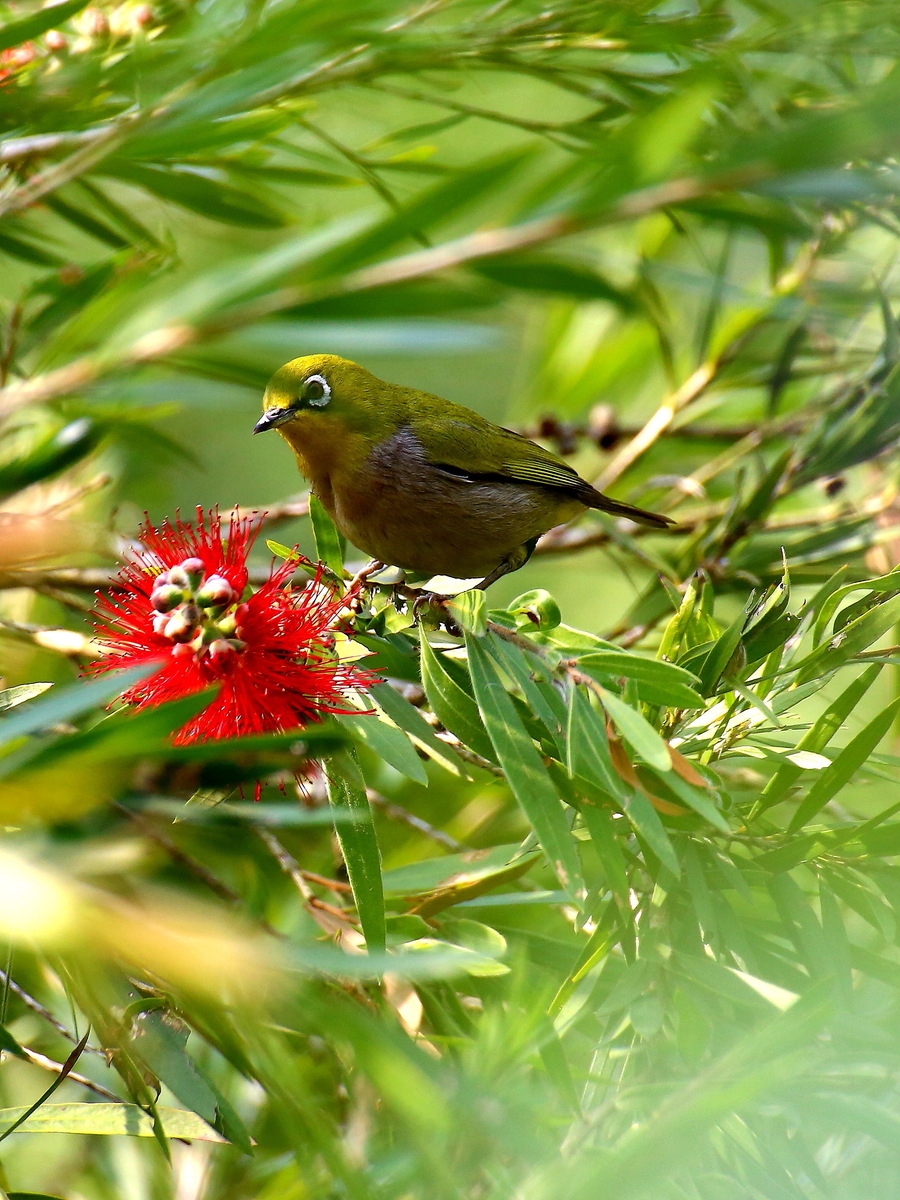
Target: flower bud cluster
{"x":93,"y":26}
{"x":199,"y":613}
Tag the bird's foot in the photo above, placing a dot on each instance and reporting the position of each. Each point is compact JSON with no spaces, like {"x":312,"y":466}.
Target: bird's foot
{"x":358,"y":583}
{"x":436,"y":605}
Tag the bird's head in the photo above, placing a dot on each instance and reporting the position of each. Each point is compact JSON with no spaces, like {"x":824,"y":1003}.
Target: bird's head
{"x":306,"y":389}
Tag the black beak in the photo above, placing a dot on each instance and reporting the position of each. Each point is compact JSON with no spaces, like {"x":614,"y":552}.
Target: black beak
{"x":272,"y":418}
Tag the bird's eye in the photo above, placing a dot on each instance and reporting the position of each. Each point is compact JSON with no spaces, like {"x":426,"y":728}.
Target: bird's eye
{"x":316,"y":391}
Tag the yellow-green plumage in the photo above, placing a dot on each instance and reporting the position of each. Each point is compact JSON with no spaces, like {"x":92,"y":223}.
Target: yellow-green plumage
{"x":417,"y":481}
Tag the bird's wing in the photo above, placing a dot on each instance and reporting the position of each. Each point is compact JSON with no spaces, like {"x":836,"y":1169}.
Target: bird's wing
{"x":472,"y":448}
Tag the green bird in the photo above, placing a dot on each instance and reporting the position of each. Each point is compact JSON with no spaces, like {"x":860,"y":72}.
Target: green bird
{"x":419,"y":482}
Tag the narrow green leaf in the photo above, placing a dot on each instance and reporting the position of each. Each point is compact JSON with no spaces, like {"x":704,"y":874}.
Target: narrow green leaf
{"x":329,"y":543}
{"x":461,"y":189}
{"x":599,"y":824}
{"x":453,"y":707}
{"x":9,"y":1044}
{"x":647,"y":824}
{"x":845,"y":766}
{"x":65,"y":704}
{"x":697,"y":798}
{"x":720,"y":655}
{"x":10,"y":697}
{"x":14,"y":33}
{"x":162,"y":1047}
{"x":817,"y":737}
{"x":469,"y":611}
{"x":388,"y":742}
{"x":636,"y":730}
{"x":526,"y":774}
{"x":359,"y":846}
{"x":855,"y":637}
{"x":544,"y":701}
{"x":109,"y":1119}
{"x":671,"y":684}
{"x":830,"y":604}
{"x":409,"y":719}
{"x":210,"y":198}
{"x":587,"y":748}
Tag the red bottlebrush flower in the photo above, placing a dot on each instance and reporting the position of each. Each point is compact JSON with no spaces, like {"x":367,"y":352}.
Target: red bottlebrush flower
{"x":183,"y":600}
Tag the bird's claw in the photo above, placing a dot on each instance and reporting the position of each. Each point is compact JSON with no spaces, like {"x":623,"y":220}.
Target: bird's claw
{"x":358,"y":583}
{"x":435,"y":601}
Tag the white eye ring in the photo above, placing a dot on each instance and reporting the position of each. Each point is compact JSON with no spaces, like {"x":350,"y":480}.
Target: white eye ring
{"x":318,"y":401}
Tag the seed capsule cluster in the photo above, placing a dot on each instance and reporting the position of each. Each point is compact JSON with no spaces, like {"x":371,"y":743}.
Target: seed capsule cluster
{"x":199,"y":613}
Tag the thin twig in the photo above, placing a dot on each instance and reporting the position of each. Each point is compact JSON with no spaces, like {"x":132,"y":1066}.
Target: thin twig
{"x":190,"y":864}
{"x":397,"y":813}
{"x":36,"y":1007}
{"x":168,"y":340}
{"x":50,"y":1064}
{"x":299,"y":877}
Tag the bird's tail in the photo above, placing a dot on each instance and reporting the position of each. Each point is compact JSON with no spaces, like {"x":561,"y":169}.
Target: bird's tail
{"x":617,"y":509}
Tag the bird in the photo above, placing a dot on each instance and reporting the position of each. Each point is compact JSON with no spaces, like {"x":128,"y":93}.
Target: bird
{"x":419,"y":482}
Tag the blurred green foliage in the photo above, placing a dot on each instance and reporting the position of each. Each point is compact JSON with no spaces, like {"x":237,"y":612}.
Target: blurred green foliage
{"x":601,"y":897}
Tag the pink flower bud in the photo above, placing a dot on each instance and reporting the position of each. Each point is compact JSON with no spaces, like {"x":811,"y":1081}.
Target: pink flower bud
{"x":216,"y":592}
{"x":54,"y":41}
{"x":194,"y":566}
{"x":94,"y":22}
{"x":221,"y":651}
{"x":188,"y":573}
{"x":160,"y":621}
{"x":180,"y":627}
{"x":143,"y":15}
{"x":167,"y":597}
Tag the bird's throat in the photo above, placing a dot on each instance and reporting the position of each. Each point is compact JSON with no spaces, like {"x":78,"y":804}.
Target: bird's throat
{"x":326,"y":451}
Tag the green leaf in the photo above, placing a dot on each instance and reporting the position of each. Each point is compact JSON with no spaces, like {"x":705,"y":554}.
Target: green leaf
{"x":160,"y":1041}
{"x":453,"y":707}
{"x":697,"y":798}
{"x":65,"y":704}
{"x":471,"y":867}
{"x":31,"y":1196}
{"x":14,"y":33}
{"x":10,"y":697}
{"x":819,"y":735}
{"x":461,"y":189}
{"x":855,"y":637}
{"x":526,"y":774}
{"x":359,"y":846}
{"x":409,"y":719}
{"x":329,"y":543}
{"x":658,"y":682}
{"x":387,"y":741}
{"x":599,"y":824}
{"x":539,"y":694}
{"x":469,"y":611}
{"x":637,"y":731}
{"x":210,"y":198}
{"x":109,"y":1119}
{"x":587,"y":748}
{"x":9,"y":1044}
{"x":539,"y":273}
{"x":830,"y":604}
{"x":647,"y":824}
{"x":845,"y":765}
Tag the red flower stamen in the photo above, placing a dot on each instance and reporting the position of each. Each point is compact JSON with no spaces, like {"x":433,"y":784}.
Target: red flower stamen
{"x":183,"y":600}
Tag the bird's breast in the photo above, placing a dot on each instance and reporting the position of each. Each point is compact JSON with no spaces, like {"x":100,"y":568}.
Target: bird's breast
{"x":398,"y":507}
